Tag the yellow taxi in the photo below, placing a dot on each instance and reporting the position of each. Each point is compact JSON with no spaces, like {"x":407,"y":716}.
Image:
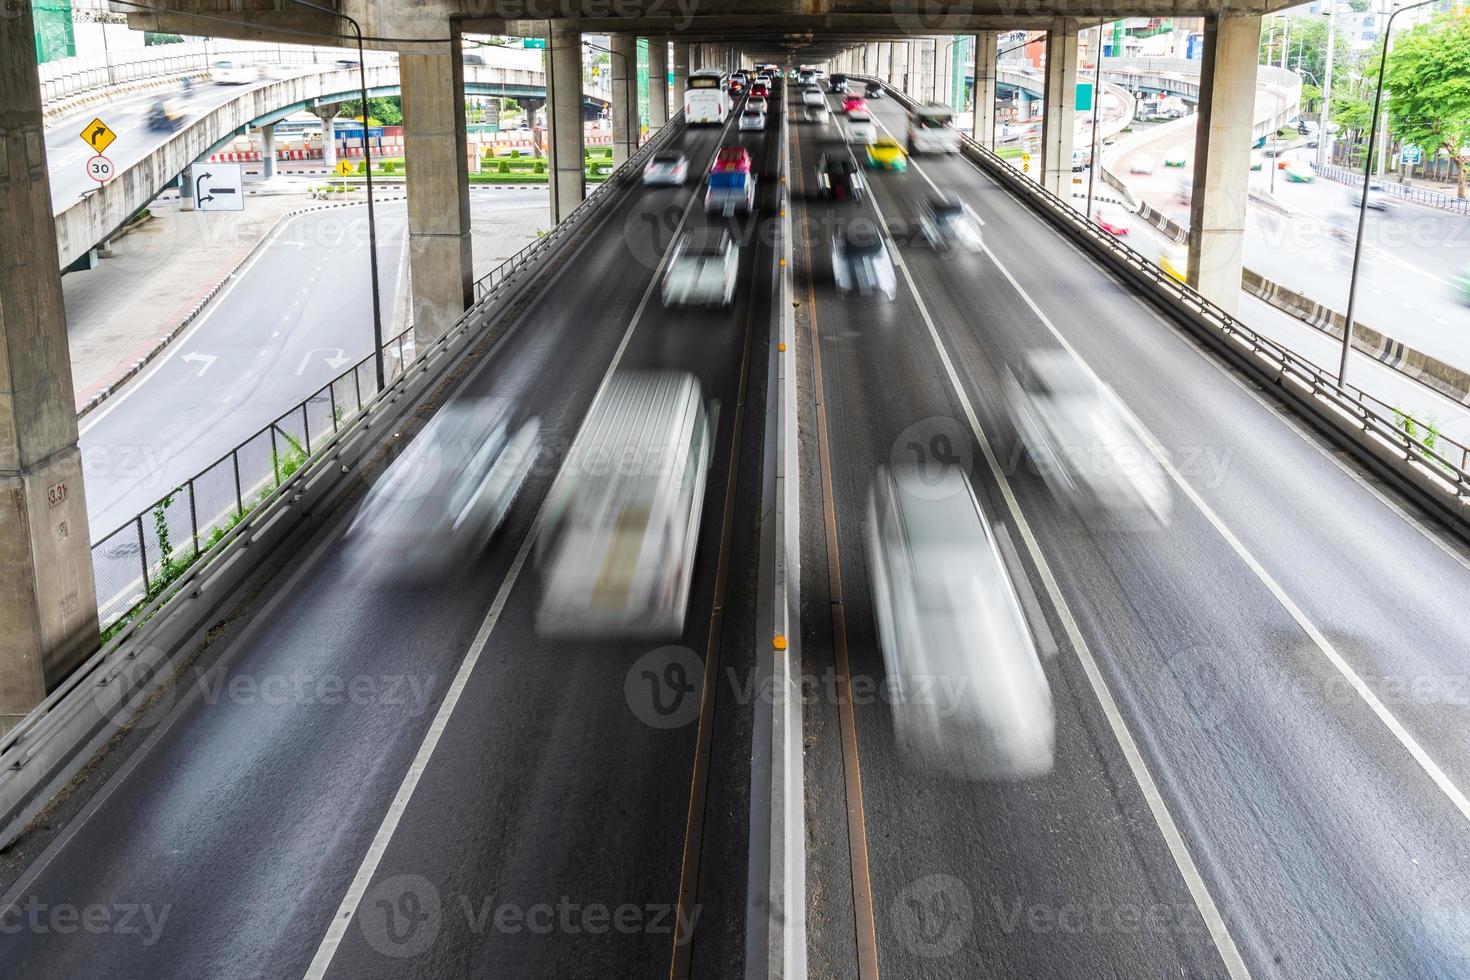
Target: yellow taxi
{"x":886,"y":154}
{"x":1174,"y":260}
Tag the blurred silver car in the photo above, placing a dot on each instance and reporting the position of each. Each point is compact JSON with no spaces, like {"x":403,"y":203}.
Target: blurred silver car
{"x":970,"y":698}
{"x":666,"y":169}
{"x":752,"y":119}
{"x":702,"y":270}
{"x":861,"y":263}
{"x":1080,"y":438}
{"x":440,"y":501}
{"x":617,"y":550}
{"x":947,"y":222}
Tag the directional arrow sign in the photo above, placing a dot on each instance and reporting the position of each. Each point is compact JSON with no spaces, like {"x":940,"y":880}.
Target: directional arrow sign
{"x":206,"y":359}
{"x":218,"y":186}
{"x":97,"y":135}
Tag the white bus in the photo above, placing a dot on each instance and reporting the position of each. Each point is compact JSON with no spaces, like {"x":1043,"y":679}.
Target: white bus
{"x":931,"y":130}
{"x":706,"y":98}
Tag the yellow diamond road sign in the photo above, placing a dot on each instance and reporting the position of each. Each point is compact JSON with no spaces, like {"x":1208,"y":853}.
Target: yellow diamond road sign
{"x":344,"y":168}
{"x":97,"y":135}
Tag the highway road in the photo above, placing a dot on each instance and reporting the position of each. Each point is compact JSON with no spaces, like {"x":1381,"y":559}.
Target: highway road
{"x":246,"y":817}
{"x":67,"y":154}
{"x":1295,"y":695}
{"x":1408,"y":284}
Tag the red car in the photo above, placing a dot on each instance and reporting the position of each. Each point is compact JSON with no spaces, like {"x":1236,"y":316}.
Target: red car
{"x":736,"y":158}
{"x":760,"y":90}
{"x":854,"y":103}
{"x":735,"y":87}
{"x":1116,"y":227}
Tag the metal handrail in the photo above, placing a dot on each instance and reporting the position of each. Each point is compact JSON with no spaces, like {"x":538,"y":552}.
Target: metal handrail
{"x":1423,"y":195}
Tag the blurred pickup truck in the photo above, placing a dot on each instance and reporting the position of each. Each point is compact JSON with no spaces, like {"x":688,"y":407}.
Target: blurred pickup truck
{"x":729,"y":192}
{"x":702,"y":271}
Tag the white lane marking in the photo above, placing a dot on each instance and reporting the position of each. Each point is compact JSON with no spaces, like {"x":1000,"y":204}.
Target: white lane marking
{"x":1173,"y":839}
{"x":178,"y":343}
{"x":1422,"y":757}
{"x":379,"y":847}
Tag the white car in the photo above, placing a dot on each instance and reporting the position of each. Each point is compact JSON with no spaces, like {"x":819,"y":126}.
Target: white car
{"x":752,"y":120}
{"x":971,"y":700}
{"x":860,"y":129}
{"x":227,"y":72}
{"x":1141,"y":163}
{"x":1082,"y":439}
{"x":756,"y":103}
{"x":949,"y":223}
{"x":813,"y":97}
{"x":666,"y":169}
{"x":817,"y":114}
{"x":702,"y":270}
{"x":861,"y":263}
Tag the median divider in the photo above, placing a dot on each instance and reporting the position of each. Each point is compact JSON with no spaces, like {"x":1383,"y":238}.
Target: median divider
{"x":55,"y":741}
{"x":775,"y":926}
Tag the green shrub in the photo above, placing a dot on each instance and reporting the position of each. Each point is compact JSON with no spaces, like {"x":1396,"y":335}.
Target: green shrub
{"x":540,"y":168}
{"x":515,"y":154}
{"x":504,"y":167}
{"x":362,"y":167}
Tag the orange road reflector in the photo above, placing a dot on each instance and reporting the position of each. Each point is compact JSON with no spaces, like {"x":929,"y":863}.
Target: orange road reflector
{"x":779,"y":642}
{"x":781,"y":347}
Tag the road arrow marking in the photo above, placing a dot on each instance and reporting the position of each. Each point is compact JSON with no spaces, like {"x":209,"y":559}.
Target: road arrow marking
{"x":207,"y":359}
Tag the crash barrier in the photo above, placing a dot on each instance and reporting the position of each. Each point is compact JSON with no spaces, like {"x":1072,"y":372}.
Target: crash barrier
{"x":53,"y":742}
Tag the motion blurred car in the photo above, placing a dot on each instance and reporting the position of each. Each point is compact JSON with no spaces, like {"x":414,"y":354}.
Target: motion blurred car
{"x":702,"y":270}
{"x":970,"y":700}
{"x":757,"y":103}
{"x":860,"y":128}
{"x":947,"y":223}
{"x":1378,"y":199}
{"x":838,"y":176}
{"x":736,"y":87}
{"x":1081,"y":439}
{"x":1141,"y":163}
{"x":812,"y":97}
{"x":837,"y":84}
{"x":1174,"y":260}
{"x":817,"y":114}
{"x":1462,"y":285}
{"x":873,"y":90}
{"x":166,"y":115}
{"x":752,"y":120}
{"x":885,"y":154}
{"x":861,"y":263}
{"x":854,"y":103}
{"x":1114,"y":224}
{"x":1175,"y":160}
{"x":440,"y":501}
{"x":616,"y":553}
{"x":1299,"y":173}
{"x":666,"y":168}
{"x":732,"y":158}
{"x":760,"y":90}
{"x":227,"y":72}
{"x":729,"y":192}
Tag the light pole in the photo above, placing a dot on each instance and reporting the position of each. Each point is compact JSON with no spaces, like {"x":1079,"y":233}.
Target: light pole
{"x":1347,"y":327}
{"x":632,"y":93}
{"x":367,"y":159}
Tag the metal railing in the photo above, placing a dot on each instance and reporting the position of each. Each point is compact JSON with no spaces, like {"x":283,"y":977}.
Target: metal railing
{"x":1422,"y":195}
{"x":138,"y":560}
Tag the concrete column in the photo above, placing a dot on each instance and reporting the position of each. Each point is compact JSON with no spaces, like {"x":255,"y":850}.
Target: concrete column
{"x":268,"y":151}
{"x":564,"y":115}
{"x":441,"y":266}
{"x":870,"y":58}
{"x":1222,"y":149}
{"x":48,"y":604}
{"x":984,"y":122}
{"x":326,"y":113}
{"x":900,"y":56}
{"x":681,"y":73}
{"x":624,"y":95}
{"x":658,"y":82}
{"x":1059,"y":101}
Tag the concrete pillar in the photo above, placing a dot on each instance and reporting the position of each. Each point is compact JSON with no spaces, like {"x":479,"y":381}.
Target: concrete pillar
{"x":1222,"y":149}
{"x":564,"y":115}
{"x":870,"y":58}
{"x":48,"y":604}
{"x":900,"y":56}
{"x":1059,"y":101}
{"x":441,"y":266}
{"x":268,"y":151}
{"x":624,"y":60}
{"x":658,"y":82}
{"x":681,"y":73}
{"x":326,"y":113}
{"x":984,"y":122}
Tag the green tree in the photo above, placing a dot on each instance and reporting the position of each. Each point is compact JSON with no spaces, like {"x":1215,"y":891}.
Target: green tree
{"x":382,"y":111}
{"x":1428,"y":79}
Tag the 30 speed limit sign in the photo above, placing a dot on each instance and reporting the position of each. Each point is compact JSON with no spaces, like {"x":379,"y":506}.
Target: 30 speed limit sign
{"x":100,"y":169}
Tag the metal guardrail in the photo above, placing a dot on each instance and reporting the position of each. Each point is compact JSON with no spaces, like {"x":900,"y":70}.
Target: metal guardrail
{"x":1421,"y":195}
{"x":137,"y":561}
{"x":1425,"y":458}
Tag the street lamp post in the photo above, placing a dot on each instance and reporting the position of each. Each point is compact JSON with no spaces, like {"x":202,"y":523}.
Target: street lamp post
{"x":632,"y":93}
{"x":1347,"y":327}
{"x":1096,"y":101}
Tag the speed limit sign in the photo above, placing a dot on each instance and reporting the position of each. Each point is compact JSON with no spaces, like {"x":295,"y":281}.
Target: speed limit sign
{"x":100,"y":169}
